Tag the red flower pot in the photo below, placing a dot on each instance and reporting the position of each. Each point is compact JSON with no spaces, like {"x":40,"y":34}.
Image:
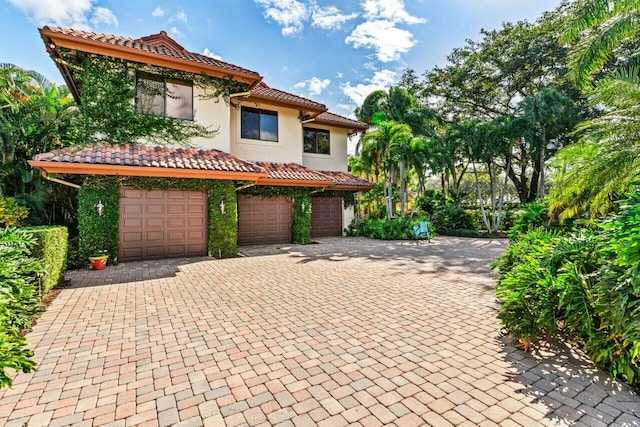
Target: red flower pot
{"x":98,"y":262}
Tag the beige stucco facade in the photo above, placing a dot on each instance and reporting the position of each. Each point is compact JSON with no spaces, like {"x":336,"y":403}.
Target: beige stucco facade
{"x":225,"y":118}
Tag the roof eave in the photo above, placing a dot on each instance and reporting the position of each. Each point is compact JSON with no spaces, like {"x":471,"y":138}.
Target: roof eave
{"x":350,"y":188}
{"x":122,"y":52}
{"x":148,"y":171}
{"x":294,"y":182}
{"x":279,"y":103}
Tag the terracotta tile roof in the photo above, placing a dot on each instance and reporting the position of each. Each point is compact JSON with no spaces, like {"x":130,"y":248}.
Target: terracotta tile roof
{"x":263,"y":91}
{"x":340,"y":121}
{"x":344,"y":179}
{"x":292,"y":171}
{"x":150,"y":156}
{"x":160,"y":44}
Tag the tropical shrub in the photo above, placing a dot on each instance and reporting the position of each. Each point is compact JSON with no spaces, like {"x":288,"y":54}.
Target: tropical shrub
{"x":583,"y":284}
{"x":19,"y":300}
{"x":385,"y":229}
{"x":11,"y":214}
{"x":50,"y":249}
{"x":531,"y":216}
{"x":452,"y":216}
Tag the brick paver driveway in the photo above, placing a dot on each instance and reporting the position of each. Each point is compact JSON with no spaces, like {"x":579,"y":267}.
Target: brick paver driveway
{"x":345,"y":332}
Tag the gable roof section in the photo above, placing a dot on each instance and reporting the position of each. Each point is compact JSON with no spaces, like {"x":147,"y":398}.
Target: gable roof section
{"x":262,"y":92}
{"x":156,"y":49}
{"x":293,"y":175}
{"x":346,"y":182}
{"x":143,"y":160}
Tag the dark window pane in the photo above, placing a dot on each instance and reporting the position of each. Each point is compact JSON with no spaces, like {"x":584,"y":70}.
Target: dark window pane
{"x":250,"y":123}
{"x":180,"y":100}
{"x":316,"y":141}
{"x":323,"y":141}
{"x":309,"y":141}
{"x":268,"y":126}
{"x":150,"y":95}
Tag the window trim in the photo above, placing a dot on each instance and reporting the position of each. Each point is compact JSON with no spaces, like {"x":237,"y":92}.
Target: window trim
{"x":165,"y":80}
{"x":316,"y":130}
{"x":260,"y":112}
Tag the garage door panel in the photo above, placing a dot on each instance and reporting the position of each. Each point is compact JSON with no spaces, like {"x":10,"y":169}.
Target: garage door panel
{"x":154,"y":236}
{"x":154,"y":222}
{"x":263,"y":220}
{"x":176,"y":222}
{"x":162,"y":223}
{"x":177,"y":209}
{"x":132,"y":237}
{"x":132,"y":222}
{"x":155,"y":194}
{"x":326,"y":216}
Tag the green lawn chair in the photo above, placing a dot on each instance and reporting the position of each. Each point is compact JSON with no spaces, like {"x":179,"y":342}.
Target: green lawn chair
{"x":421,"y":230}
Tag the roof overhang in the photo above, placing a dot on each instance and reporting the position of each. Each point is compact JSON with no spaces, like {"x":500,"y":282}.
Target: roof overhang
{"x":54,"y":40}
{"x":149,"y":171}
{"x":293,"y":182}
{"x":307,"y":109}
{"x":349,"y":188}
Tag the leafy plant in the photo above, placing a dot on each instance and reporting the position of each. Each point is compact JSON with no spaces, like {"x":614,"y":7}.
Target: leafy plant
{"x":452,"y":216}
{"x":11,"y":214}
{"x":533,"y":215}
{"x":19,"y":300}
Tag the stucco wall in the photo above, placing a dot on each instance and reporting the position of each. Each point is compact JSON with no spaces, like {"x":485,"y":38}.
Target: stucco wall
{"x":215,"y":114}
{"x":336,"y":160}
{"x":287,"y":149}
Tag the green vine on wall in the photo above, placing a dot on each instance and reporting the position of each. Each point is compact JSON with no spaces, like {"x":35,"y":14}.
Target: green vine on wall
{"x":108,"y":91}
{"x":101,"y":232}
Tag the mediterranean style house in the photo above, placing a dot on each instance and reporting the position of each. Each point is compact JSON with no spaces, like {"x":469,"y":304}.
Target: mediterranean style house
{"x":274,"y":171}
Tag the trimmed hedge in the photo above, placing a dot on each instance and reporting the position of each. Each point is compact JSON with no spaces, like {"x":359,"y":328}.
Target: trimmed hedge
{"x":50,"y":249}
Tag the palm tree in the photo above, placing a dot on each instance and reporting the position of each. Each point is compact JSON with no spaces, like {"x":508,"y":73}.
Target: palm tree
{"x":385,"y":150}
{"x":607,"y":25}
{"x":598,"y":170}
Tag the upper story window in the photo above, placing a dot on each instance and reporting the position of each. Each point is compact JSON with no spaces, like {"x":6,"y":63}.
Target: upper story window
{"x":258,"y":124}
{"x":316,"y":141}
{"x":164,"y":97}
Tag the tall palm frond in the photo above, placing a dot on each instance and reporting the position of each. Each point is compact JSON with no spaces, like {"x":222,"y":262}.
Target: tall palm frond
{"x":599,"y":27}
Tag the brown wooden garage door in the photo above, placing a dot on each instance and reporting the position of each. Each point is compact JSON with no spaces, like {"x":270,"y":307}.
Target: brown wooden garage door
{"x":162,"y":223}
{"x":326,"y":216}
{"x":263,"y":220}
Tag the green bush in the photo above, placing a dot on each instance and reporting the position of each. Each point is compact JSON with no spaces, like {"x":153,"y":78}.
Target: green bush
{"x":584,"y":284}
{"x":19,"y":300}
{"x":50,"y":249}
{"x":531,"y":215}
{"x":11,"y":214}
{"x":384,"y":229}
{"x":453,"y":216}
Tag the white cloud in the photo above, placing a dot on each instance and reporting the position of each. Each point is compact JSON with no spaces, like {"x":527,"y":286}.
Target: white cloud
{"x":329,"y":17}
{"x":314,"y":85}
{"x":389,"y":10}
{"x":158,"y":12}
{"x":176,"y":32}
{"x":102,"y":15}
{"x":384,"y":37}
{"x":64,"y":13}
{"x":181,"y":16}
{"x":382,"y":79}
{"x":289,"y":14}
{"x":210,"y":54}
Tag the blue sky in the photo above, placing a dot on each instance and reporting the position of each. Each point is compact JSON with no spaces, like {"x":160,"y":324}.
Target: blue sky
{"x":335,"y":52}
